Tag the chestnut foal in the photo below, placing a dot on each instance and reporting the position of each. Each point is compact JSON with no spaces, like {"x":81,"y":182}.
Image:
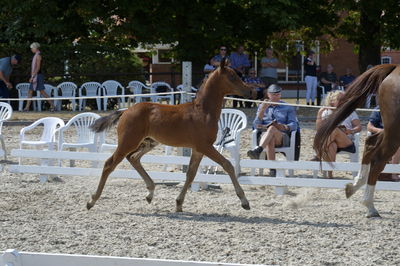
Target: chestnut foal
{"x":193,"y":125}
{"x":379,"y":148}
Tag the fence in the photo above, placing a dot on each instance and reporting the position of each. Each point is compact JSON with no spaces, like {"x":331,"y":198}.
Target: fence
{"x":14,"y":258}
{"x":280,"y":181}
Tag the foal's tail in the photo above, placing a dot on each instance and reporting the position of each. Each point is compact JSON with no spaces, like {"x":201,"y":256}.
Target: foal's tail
{"x":355,"y":96}
{"x":106,"y":122}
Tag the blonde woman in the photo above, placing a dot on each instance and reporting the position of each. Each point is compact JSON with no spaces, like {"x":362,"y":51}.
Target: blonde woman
{"x":37,"y":79}
{"x":342,"y":137}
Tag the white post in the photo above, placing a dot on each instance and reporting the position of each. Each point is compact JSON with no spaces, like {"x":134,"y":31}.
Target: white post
{"x":187,"y":87}
{"x":186,"y":80}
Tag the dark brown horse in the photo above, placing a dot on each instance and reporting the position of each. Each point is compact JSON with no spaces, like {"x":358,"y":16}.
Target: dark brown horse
{"x":193,"y":125}
{"x":379,"y":148}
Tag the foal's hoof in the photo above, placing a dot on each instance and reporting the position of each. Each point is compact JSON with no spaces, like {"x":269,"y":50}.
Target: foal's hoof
{"x":89,"y":205}
{"x":179,"y":209}
{"x":349,"y":190}
{"x":373,"y":215}
{"x":149,"y":199}
{"x":246,"y":206}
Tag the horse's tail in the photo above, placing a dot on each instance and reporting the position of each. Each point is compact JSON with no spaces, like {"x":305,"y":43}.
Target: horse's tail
{"x":106,"y":122}
{"x":355,"y":96}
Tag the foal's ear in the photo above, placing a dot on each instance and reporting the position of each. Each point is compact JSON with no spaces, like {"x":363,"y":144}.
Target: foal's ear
{"x":223,"y":62}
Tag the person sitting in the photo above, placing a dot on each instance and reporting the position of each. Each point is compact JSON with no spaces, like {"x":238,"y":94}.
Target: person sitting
{"x":276,"y":122}
{"x":347,"y":79}
{"x":375,"y":126}
{"x":328,"y":81}
{"x":259,"y":89}
{"x":208,"y":68}
{"x":342,"y":137}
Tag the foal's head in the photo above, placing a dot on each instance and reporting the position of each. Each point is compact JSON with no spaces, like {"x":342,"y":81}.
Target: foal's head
{"x":229,"y":81}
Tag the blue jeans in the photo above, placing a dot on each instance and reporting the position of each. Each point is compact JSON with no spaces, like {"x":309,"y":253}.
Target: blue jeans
{"x":4,"y":92}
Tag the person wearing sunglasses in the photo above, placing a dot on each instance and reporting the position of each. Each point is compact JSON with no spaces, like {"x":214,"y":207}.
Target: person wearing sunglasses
{"x":216,"y":60}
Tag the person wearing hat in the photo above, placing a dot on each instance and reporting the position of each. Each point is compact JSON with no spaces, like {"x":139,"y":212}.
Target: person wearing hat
{"x":275,"y":124}
{"x":6,"y":67}
{"x":37,"y":79}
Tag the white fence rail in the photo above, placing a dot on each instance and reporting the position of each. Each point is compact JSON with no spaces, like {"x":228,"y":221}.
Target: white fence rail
{"x":280,"y":181}
{"x":14,"y":258}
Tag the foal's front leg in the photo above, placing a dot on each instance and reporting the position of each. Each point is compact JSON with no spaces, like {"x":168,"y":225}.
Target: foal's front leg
{"x":214,"y":155}
{"x":195,"y":160}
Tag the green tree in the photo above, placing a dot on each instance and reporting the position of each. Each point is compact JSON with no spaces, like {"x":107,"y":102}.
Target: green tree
{"x":370,"y":25}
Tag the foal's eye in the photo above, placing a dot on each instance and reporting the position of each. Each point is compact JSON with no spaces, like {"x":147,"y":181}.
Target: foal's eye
{"x":232,"y":77}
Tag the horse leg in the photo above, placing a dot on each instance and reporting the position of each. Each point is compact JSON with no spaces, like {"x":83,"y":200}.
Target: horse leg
{"x":383,"y":154}
{"x":134,"y":158}
{"x":361,"y":179}
{"x":214,"y":155}
{"x":194,"y":163}
{"x":109,"y":166}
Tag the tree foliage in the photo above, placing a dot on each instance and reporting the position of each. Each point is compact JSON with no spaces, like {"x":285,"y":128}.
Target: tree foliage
{"x":196,"y":28}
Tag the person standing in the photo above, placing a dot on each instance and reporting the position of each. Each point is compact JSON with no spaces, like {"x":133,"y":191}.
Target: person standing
{"x":269,"y":64}
{"x":240,"y":61}
{"x":216,"y":60}
{"x":310,"y":77}
{"x":6,"y":67}
{"x":37,"y":79}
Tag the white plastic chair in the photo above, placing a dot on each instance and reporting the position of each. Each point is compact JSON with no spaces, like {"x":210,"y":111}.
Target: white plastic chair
{"x":136,"y":87}
{"x":65,"y":90}
{"x":110,"y":88}
{"x":180,"y":88}
{"x":48,"y":136}
{"x":236,"y":121}
{"x":156,"y":98}
{"x":5,"y":114}
{"x":84,"y":137}
{"x":289,"y":151}
{"x":90,"y":89}
{"x":50,"y":90}
{"x":23,"y":89}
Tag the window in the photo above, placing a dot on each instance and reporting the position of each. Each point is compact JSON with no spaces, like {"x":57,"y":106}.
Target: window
{"x":386,"y":60}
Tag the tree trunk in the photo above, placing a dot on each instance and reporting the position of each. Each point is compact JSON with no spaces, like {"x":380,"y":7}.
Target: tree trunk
{"x":370,"y":34}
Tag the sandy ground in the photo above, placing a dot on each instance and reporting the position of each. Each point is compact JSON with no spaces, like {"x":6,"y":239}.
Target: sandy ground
{"x":324,"y":228}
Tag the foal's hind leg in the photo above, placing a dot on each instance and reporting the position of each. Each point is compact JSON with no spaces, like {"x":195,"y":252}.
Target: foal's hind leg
{"x":134,"y":158}
{"x":214,"y":155}
{"x":195,"y":160}
{"x":109,"y":166}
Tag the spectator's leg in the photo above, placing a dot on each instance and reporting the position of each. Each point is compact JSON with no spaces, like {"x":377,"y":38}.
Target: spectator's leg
{"x":4,"y":92}
{"x":314,"y":86}
{"x":319,"y":92}
{"x":269,"y":140}
{"x":28,"y":102}
{"x":308,"y":81}
{"x":45,"y":95}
